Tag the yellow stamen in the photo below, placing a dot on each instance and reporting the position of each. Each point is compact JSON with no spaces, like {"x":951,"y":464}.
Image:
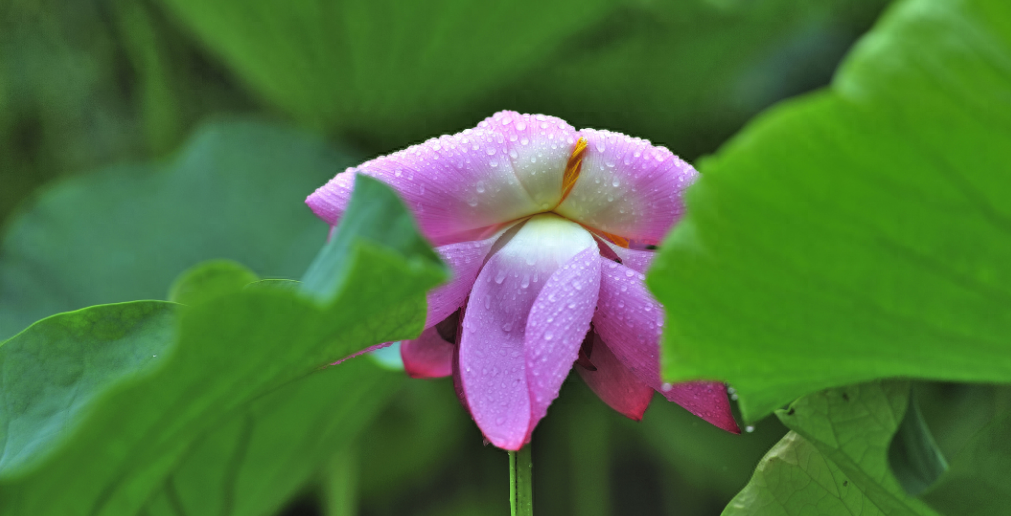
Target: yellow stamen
{"x":573,"y":167}
{"x":616,"y":240}
{"x":572,"y":170}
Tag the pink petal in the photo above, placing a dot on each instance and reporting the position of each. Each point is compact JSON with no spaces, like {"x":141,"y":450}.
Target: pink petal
{"x":707,"y":400}
{"x":428,"y":356}
{"x":629,"y":320}
{"x":453,"y":184}
{"x":457,"y":377}
{"x":509,"y":167}
{"x":628,"y":187}
{"x":491,"y":358}
{"x":539,"y":147}
{"x":614,"y":383}
{"x":558,"y":322}
{"x":465,"y":260}
{"x":636,"y":259}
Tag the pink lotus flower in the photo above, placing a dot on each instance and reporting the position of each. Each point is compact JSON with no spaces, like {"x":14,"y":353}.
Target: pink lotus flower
{"x":548,"y":231}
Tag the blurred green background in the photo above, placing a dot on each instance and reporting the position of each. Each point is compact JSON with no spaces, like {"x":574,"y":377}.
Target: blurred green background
{"x":138,"y":138}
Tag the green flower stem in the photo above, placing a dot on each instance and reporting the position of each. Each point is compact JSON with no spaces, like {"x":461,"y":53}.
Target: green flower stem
{"x":521,"y":500}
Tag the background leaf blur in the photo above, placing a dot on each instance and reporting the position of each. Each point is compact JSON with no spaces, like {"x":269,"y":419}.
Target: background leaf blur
{"x":126,"y":232}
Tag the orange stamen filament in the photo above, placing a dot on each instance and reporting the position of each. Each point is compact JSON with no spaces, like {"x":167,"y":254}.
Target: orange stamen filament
{"x":619,"y":241}
{"x":572,"y":168}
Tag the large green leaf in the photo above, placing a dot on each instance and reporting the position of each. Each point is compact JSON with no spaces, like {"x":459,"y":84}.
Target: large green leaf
{"x":915,"y":458}
{"x":235,"y":191}
{"x":211,"y":279}
{"x":382,"y":63}
{"x":835,"y":459}
{"x":231,"y":351}
{"x":977,"y":483}
{"x":261,"y":456}
{"x":54,"y":370}
{"x":861,"y":232}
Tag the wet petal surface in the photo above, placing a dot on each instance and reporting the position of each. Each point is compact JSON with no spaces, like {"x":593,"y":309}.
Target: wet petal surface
{"x":614,"y":383}
{"x":558,"y":321}
{"x":628,"y":187}
{"x":452,"y":184}
{"x":428,"y":356}
{"x":465,"y":260}
{"x":630,"y":321}
{"x":538,"y":146}
{"x":492,"y":361}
